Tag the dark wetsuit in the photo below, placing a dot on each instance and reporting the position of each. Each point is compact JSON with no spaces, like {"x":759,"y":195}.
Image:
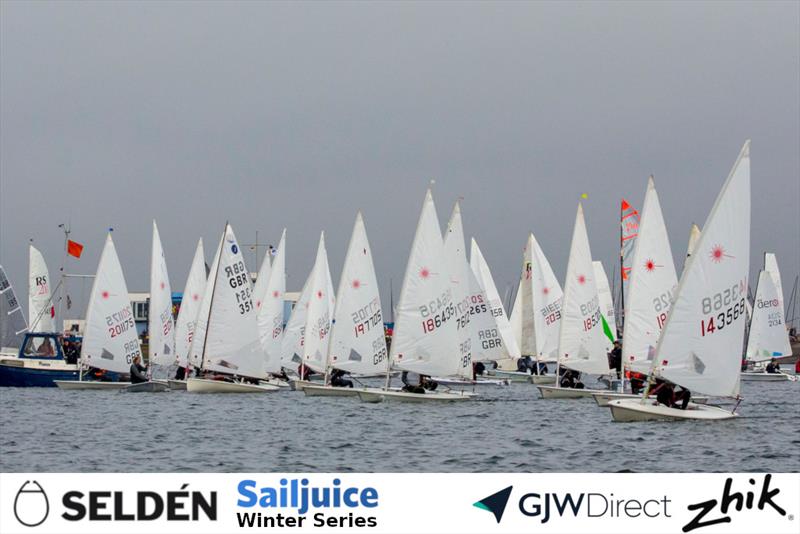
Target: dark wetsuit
{"x":338,"y":379}
{"x":138,"y":373}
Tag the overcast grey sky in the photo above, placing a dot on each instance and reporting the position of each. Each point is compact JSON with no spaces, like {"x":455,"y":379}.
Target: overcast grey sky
{"x":297,"y":115}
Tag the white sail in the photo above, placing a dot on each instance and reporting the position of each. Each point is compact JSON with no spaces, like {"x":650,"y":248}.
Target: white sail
{"x":231,"y":337}
{"x":768,"y":337}
{"x":604,"y":293}
{"x":262,"y":281}
{"x":547,"y":301}
{"x":12,"y":320}
{"x":510,"y":348}
{"x":701,"y":342}
{"x":320,"y":312}
{"x":198,"y":346}
{"x":270,"y":314}
{"x":41,"y":313}
{"x":190,"y":306}
{"x":160,"y":322}
{"x":358,"y":342}
{"x":425,"y":337}
{"x":583,"y":346}
{"x":294,"y":337}
{"x":651,"y":286}
{"x":527,"y":315}
{"x":456,"y":265}
{"x":110,"y":340}
{"x":771,"y":266}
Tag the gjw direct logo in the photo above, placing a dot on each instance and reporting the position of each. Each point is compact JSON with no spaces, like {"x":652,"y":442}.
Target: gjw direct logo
{"x":546,"y":506}
{"x":32,"y":505}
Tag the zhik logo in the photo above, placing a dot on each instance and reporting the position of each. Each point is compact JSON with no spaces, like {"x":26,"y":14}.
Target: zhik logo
{"x":31,"y":506}
{"x":495,"y":503}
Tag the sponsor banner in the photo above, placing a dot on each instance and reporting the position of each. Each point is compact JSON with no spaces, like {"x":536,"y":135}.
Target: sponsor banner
{"x":395,"y":503}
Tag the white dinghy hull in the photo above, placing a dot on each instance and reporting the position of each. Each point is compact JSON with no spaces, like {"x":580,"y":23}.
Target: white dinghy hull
{"x":154,"y":386}
{"x":379,"y":395}
{"x":319,"y":390}
{"x":632,"y":410}
{"x":177,"y":385}
{"x":764,"y":377}
{"x":201,"y":385}
{"x":555,"y":392}
{"x":513,"y":376}
{"x":90,"y":384}
{"x":464,"y":383}
{"x":602,"y":399}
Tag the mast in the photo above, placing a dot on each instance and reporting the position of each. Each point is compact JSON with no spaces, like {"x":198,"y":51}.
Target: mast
{"x":621,"y":271}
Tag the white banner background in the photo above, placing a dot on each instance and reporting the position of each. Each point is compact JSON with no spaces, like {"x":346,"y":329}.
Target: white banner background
{"x":424,"y":502}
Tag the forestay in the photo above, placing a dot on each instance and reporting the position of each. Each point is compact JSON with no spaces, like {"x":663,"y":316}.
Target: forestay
{"x":231,"y":336}
{"x":510,"y":348}
{"x":12,"y":320}
{"x":320,"y":312}
{"x":702,"y":340}
{"x":190,"y":306}
{"x":160,"y":323}
{"x":425,"y":336}
{"x":583,"y":346}
{"x":110,"y":340}
{"x":652,"y":286}
{"x":41,"y":313}
{"x":270,"y":314}
{"x":358,"y":342}
{"x":456,"y":264}
{"x":768,"y":337}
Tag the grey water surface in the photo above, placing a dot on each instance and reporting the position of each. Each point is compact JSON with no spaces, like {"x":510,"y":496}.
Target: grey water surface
{"x":506,"y":430}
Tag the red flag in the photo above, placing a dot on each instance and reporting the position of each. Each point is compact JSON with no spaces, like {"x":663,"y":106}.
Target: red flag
{"x":74,"y":248}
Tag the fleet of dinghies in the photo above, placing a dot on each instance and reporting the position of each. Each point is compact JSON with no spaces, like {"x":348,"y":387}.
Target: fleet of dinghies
{"x":451,"y":331}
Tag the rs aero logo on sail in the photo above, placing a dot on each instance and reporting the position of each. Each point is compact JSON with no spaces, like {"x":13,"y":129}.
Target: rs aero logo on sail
{"x":31,"y":506}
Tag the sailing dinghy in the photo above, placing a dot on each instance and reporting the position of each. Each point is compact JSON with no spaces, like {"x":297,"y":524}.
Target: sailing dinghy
{"x":767,"y":337}
{"x":701,"y":340}
{"x":358,"y":342}
{"x":583,"y":341}
{"x":110,"y":341}
{"x":226,"y":337}
{"x":425,"y":339}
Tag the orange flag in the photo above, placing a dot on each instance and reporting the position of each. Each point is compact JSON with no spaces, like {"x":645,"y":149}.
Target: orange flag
{"x":74,"y":248}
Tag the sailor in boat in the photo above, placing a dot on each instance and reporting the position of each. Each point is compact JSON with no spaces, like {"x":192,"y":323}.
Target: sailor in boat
{"x":525,"y":364}
{"x":615,"y":357}
{"x":570,"y":379}
{"x":638,"y":381}
{"x":412,"y":382}
{"x":543,"y":370}
{"x":338,"y":379}
{"x":773,"y":367}
{"x":180,"y":373}
{"x":478,"y":369}
{"x":665,"y":394}
{"x":138,"y":371}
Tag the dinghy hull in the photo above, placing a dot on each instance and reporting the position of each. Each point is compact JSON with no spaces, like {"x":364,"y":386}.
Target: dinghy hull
{"x":633,"y":410}
{"x":764,"y":377}
{"x":201,"y":385}
{"x":602,"y":399}
{"x":154,"y":386}
{"x":480,"y":382}
{"x":90,"y":385}
{"x":380,"y":395}
{"x":318,"y":390}
{"x":554,"y":392}
{"x":513,"y":376}
{"x":177,"y":385}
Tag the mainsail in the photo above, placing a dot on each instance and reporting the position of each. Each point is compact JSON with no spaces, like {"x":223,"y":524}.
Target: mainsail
{"x":110,"y":340}
{"x":652,"y":286}
{"x":701,"y":342}
{"x":583,"y":345}
{"x":41,"y":313}
{"x":606,"y":301}
{"x":768,"y":337}
{"x":190,"y":306}
{"x":12,"y":320}
{"x":160,"y":322}
{"x":270,"y":314}
{"x":358,"y":342}
{"x":425,"y":336}
{"x":320,"y":312}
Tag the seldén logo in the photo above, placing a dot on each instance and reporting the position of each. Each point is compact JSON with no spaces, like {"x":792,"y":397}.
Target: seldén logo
{"x":495,"y":503}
